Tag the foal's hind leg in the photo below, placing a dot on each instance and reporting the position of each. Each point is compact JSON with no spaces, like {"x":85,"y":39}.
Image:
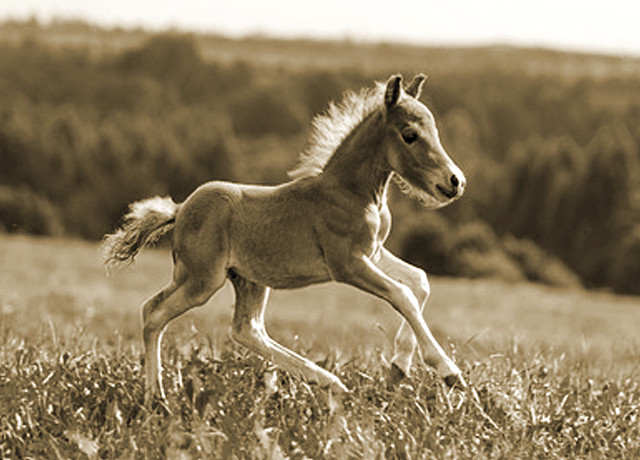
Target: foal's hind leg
{"x":248,"y":329}
{"x":182,"y":294}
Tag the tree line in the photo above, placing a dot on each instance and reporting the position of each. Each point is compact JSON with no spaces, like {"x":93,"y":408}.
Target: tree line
{"x":552,"y":162}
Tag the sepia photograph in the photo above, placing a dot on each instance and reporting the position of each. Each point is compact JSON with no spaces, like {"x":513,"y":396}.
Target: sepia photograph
{"x":332,"y":230}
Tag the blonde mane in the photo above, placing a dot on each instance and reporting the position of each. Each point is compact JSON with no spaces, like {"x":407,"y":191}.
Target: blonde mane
{"x":330,"y":128}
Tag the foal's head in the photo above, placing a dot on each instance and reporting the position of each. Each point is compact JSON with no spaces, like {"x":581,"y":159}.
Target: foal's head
{"x":421,"y":165}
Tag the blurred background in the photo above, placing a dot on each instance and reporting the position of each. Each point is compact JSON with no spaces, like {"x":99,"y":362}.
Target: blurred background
{"x":105,"y":103}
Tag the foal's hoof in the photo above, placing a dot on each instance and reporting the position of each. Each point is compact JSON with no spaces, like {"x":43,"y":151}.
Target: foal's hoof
{"x":396,"y":375}
{"x":156,"y":402}
{"x":158,"y":405}
{"x":455,"y":381}
{"x":338,"y":387}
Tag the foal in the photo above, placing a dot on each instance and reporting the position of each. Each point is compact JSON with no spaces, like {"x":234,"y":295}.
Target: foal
{"x":328,"y":224}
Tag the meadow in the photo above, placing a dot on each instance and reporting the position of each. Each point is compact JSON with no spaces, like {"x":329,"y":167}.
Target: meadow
{"x":554,"y":373}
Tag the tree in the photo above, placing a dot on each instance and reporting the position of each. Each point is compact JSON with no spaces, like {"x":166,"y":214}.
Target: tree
{"x":605,"y":206}
{"x":624,"y":275}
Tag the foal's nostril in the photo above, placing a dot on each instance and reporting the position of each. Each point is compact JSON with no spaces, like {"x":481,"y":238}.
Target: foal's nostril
{"x":455,"y":181}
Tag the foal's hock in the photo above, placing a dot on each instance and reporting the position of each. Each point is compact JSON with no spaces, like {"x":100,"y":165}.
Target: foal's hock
{"x":328,"y":224}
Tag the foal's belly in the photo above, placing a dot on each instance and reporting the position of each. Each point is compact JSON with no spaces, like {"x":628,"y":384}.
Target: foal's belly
{"x":278,"y":251}
{"x":280,"y":266}
{"x":282,"y":279}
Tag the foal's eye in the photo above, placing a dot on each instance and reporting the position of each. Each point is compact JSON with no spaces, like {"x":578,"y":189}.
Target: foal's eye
{"x":410,"y":137}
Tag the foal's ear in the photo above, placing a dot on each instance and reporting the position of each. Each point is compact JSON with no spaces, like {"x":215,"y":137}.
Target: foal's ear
{"x":415,"y":87}
{"x":392,"y":92}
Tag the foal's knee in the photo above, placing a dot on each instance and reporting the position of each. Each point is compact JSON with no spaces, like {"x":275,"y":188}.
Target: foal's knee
{"x":245,"y":333}
{"x":421,"y":286}
{"x":148,"y":309}
{"x":245,"y":329}
{"x":197,"y":291}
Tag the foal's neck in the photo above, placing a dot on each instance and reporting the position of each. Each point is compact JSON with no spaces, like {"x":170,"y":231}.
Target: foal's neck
{"x":359,"y":164}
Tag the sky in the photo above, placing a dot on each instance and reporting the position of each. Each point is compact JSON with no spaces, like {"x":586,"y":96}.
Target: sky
{"x":611,"y":26}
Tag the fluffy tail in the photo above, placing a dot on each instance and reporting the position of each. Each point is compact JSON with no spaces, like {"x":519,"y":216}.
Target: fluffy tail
{"x":147,"y":221}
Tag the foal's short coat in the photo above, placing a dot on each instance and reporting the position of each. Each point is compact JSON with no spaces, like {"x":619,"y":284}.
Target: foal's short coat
{"x":329,"y":223}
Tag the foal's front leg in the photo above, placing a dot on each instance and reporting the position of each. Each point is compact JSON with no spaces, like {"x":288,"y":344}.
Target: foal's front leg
{"x":416,"y":280}
{"x":248,"y":329}
{"x":394,"y":287}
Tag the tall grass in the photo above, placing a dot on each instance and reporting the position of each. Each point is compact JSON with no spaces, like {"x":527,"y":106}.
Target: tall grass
{"x":554,"y":373}
{"x":81,"y":398}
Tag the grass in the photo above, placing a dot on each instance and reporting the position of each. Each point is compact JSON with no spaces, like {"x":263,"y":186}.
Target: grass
{"x":554,"y":373}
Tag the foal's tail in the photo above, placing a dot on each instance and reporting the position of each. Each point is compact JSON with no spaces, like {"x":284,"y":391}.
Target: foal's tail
{"x":146,"y":222}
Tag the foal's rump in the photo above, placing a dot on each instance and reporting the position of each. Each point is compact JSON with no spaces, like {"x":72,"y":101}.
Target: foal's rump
{"x":264,"y":234}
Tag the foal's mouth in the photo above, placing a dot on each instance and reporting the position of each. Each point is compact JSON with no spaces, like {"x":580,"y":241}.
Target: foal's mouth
{"x":450,"y":194}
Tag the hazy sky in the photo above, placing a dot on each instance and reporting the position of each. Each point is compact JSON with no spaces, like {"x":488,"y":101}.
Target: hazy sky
{"x":610,"y":26}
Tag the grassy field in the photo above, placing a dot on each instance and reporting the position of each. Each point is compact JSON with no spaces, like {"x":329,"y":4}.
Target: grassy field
{"x":554,"y":373}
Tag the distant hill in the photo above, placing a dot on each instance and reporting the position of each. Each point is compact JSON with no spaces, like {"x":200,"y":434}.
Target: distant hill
{"x":331,"y":55}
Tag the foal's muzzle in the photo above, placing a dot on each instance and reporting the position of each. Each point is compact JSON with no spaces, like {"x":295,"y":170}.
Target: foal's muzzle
{"x":454,"y":187}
